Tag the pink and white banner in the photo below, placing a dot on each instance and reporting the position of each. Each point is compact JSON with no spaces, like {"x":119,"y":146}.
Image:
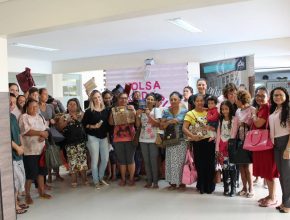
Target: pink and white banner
{"x":162,"y":79}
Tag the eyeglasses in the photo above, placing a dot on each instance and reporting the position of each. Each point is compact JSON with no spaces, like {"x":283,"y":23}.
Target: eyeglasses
{"x":279,"y":95}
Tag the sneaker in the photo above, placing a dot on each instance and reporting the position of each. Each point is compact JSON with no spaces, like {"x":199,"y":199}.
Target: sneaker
{"x":98,"y":186}
{"x":103,"y":182}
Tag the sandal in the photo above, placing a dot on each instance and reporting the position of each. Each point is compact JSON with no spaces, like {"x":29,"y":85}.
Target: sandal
{"x":279,"y":207}
{"x":250,"y":195}
{"x":45,"y":196}
{"x":155,"y":186}
{"x":242,"y":193}
{"x":20,"y":211}
{"x":74,"y":185}
{"x":171,"y":187}
{"x":23,"y":206}
{"x":122,"y":183}
{"x":148,"y":185}
{"x":131,"y":183}
{"x":284,"y":210}
{"x":263,"y":199}
{"x":268,"y":203}
{"x":28,"y":200}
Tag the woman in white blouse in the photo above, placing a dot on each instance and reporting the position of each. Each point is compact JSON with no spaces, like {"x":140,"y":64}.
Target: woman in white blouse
{"x":279,"y":131}
{"x":33,"y":130}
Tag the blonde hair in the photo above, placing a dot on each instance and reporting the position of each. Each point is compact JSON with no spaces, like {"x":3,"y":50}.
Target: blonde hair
{"x":91,"y":105}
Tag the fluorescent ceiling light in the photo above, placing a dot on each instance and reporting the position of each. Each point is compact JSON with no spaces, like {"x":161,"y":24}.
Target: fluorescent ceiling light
{"x":184,"y":24}
{"x":33,"y":47}
{"x":272,"y":69}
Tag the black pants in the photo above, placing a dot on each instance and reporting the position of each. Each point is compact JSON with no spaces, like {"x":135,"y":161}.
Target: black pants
{"x":204,"y":158}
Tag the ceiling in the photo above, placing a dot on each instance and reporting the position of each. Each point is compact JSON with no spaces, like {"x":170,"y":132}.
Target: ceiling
{"x":236,"y":22}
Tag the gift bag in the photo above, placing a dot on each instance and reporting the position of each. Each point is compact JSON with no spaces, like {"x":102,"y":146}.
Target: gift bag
{"x":189,"y":175}
{"x":25,"y":80}
{"x":123,"y":115}
{"x":90,"y":85}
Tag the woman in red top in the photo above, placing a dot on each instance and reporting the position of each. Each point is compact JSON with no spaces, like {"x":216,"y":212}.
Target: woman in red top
{"x":263,"y":161}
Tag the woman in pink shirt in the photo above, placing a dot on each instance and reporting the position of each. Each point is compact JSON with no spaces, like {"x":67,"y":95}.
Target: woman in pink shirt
{"x":279,"y":132}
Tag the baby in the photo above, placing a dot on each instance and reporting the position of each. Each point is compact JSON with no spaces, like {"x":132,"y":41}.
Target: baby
{"x":212,"y":116}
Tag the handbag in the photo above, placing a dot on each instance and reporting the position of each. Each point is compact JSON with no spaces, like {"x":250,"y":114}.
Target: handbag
{"x":171,"y":135}
{"x":90,"y":85}
{"x":56,"y":135}
{"x":159,"y":140}
{"x":25,"y":80}
{"x":237,"y":154}
{"x":189,"y":174}
{"x":258,"y":140}
{"x":123,"y":115}
{"x":52,"y":154}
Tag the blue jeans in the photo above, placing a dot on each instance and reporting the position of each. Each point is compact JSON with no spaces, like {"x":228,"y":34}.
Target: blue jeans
{"x":98,"y":147}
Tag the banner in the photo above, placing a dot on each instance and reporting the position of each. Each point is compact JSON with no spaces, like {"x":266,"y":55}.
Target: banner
{"x":162,"y":79}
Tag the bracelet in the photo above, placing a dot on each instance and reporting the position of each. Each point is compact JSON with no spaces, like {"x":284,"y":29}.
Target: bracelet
{"x":287,"y":149}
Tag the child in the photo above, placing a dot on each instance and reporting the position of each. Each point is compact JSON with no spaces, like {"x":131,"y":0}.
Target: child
{"x":227,"y":128}
{"x":212,"y":116}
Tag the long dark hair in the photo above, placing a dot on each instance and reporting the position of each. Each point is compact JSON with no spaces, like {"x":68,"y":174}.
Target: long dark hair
{"x":285,"y":106}
{"x":263,"y":88}
{"x":79,"y":108}
{"x":231,"y":113}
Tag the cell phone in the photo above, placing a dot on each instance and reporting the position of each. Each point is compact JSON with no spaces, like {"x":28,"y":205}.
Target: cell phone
{"x":101,"y":122}
{"x":141,"y":104}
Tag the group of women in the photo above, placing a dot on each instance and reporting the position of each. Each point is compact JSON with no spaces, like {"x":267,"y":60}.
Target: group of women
{"x":122,"y":127}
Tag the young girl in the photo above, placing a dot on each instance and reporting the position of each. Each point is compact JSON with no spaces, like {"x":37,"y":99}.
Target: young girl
{"x":228,"y":126}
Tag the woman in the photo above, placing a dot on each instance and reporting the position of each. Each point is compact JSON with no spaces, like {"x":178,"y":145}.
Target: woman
{"x":244,"y":115}
{"x":20,"y":102}
{"x":279,"y":131}
{"x":263,"y":161}
{"x":75,"y":141}
{"x":229,"y":93}
{"x":175,"y":153}
{"x":95,"y":121}
{"x":47,"y":111}
{"x":148,"y":119}
{"x":107,"y":96}
{"x":187,"y":92}
{"x":201,"y":86}
{"x":124,"y":133}
{"x":203,"y":149}
{"x":17,"y":157}
{"x":33,"y":130}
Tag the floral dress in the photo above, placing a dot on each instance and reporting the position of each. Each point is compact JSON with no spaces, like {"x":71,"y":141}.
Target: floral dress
{"x":75,"y":146}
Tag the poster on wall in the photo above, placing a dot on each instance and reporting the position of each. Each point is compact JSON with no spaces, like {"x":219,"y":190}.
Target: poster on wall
{"x":219,"y":73}
{"x":162,"y":79}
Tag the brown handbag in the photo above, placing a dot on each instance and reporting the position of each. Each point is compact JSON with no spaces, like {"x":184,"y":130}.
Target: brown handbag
{"x":123,"y":115}
{"x":25,"y":80}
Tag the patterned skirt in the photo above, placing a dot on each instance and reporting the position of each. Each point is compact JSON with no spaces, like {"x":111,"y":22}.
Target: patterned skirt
{"x":174,"y":161}
{"x":77,"y":157}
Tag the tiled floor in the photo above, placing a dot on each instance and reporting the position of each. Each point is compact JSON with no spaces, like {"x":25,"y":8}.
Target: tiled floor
{"x":137,"y":203}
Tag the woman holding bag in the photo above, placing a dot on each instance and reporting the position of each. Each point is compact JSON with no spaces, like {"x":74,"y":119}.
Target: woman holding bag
{"x":149,"y":119}
{"x":263,"y":161}
{"x":244,"y":115}
{"x":123,"y":118}
{"x":280,"y":135}
{"x":203,"y":149}
{"x":175,"y":151}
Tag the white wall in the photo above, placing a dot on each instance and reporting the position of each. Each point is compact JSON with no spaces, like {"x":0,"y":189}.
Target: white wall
{"x":3,"y":66}
{"x":18,"y":65}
